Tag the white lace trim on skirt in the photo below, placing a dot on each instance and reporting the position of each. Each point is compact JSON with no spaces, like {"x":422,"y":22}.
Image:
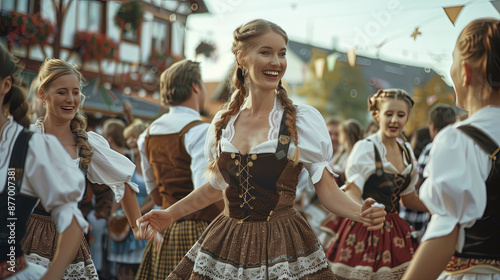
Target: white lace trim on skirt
{"x":366,"y":272}
{"x":75,"y":271}
{"x":207,"y":266}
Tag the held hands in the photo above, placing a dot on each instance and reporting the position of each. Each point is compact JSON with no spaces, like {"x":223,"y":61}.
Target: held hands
{"x":150,"y":225}
{"x":152,"y":222}
{"x":157,"y":219}
{"x":372,"y":216}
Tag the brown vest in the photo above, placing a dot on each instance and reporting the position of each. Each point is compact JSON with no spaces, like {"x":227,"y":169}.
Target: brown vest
{"x":171,"y":165}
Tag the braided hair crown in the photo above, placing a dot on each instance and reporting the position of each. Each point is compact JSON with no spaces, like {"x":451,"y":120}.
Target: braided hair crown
{"x":479,"y":44}
{"x":377,"y":98}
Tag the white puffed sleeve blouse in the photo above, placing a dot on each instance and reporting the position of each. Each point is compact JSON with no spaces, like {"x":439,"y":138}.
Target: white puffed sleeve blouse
{"x":455,"y":189}
{"x":314,"y":142}
{"x":107,"y":166}
{"x":361,"y":163}
{"x":49,"y":175}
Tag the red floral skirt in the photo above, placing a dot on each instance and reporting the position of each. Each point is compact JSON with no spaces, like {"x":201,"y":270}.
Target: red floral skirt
{"x":357,"y":253}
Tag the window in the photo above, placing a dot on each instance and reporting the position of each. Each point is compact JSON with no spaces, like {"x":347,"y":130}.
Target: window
{"x":178,"y":34}
{"x":21,"y":6}
{"x":160,"y":41}
{"x":89,"y":16}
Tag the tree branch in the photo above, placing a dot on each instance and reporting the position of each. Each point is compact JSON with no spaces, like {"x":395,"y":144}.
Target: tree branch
{"x":67,"y":6}
{"x":56,"y":7}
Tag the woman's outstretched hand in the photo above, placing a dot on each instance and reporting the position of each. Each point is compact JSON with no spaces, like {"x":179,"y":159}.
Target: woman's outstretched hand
{"x":372,"y":216}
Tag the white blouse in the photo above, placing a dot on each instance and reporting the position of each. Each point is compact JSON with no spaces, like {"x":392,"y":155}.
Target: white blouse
{"x":194,"y":140}
{"x":107,"y":167}
{"x":49,"y":175}
{"x":314,"y":141}
{"x":361,"y":163}
{"x":455,"y":189}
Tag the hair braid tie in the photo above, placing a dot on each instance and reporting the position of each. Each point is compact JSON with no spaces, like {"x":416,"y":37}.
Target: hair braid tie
{"x":291,"y":117}
{"x":239,"y":74}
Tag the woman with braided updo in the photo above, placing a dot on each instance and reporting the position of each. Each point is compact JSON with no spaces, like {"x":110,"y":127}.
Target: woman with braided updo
{"x":382,"y":168}
{"x":463,"y":172}
{"x":58,"y":85}
{"x":258,"y":147}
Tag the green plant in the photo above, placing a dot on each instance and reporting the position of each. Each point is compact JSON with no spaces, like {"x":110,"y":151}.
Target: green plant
{"x":129,"y":16}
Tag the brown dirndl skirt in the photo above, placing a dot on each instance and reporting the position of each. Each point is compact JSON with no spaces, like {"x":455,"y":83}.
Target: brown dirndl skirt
{"x":285,"y":247}
{"x":40,"y":242}
{"x":178,"y":239}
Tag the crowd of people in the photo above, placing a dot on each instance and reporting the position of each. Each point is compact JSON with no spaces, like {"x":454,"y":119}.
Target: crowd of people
{"x":184,"y":199}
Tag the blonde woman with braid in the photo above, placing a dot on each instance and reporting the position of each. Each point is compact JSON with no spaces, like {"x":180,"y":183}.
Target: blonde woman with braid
{"x":26,"y":178}
{"x":258,"y":147}
{"x":58,"y":85}
{"x":463,"y":172}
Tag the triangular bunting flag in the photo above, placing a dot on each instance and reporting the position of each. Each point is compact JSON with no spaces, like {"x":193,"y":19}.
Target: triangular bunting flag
{"x":351,"y":57}
{"x":319,"y":66}
{"x":452,"y":12}
{"x":331,"y":59}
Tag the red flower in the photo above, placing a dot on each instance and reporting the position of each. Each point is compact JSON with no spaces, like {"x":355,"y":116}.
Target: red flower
{"x":94,"y":45}
{"x":25,"y":29}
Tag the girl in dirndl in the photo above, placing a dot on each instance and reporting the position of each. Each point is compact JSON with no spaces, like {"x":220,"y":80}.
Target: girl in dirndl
{"x":27,"y":176}
{"x":384,"y":169}
{"x":258,"y":147}
{"x":58,"y":84}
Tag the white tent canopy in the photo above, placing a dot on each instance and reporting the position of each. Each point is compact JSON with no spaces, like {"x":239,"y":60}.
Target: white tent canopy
{"x":378,"y":29}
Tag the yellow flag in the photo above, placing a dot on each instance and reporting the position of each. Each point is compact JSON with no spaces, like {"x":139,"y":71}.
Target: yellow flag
{"x":319,"y":67}
{"x":351,"y":57}
{"x":452,"y":12}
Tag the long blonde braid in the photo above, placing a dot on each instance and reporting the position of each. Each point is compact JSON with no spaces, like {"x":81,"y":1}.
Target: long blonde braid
{"x":232,"y":109}
{"x":78,"y":126}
